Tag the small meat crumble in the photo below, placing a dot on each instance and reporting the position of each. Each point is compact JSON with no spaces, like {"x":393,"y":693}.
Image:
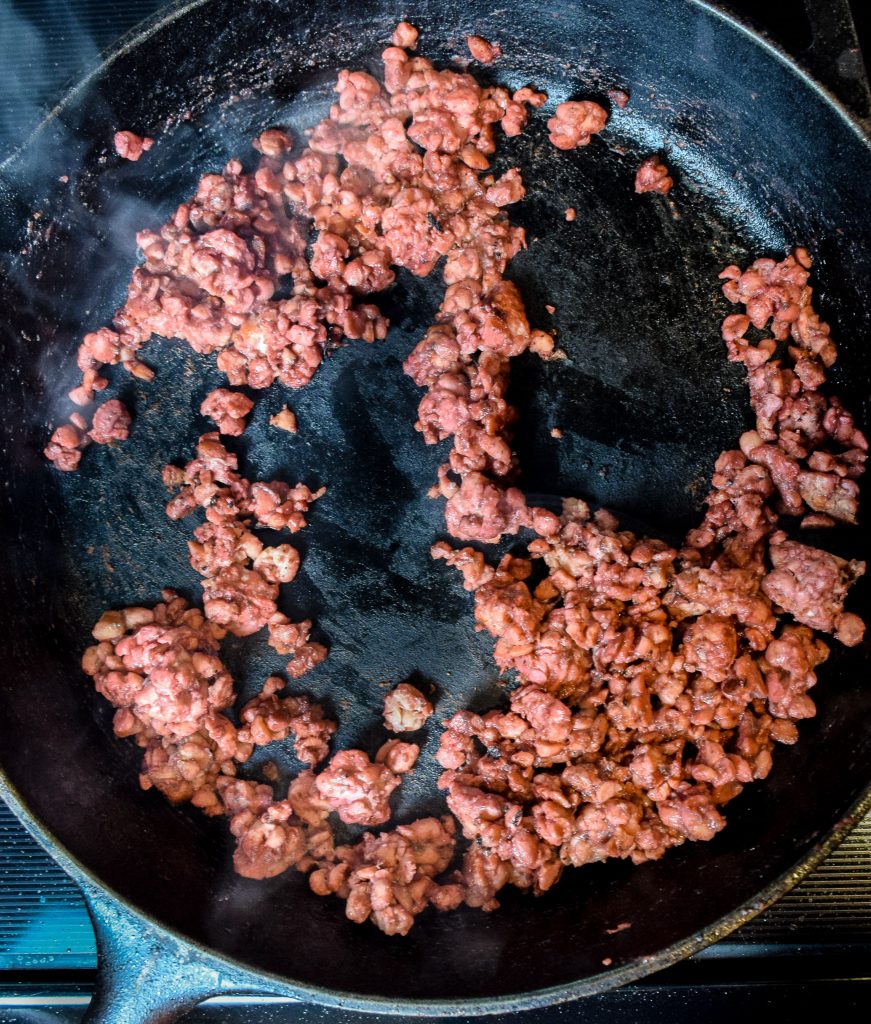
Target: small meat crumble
{"x":285,"y":419}
{"x":406,"y":709}
{"x":653,"y":176}
{"x":398,"y":756}
{"x":575,"y":123}
{"x":405,"y":35}
{"x":482,"y":49}
{"x":227,"y":409}
{"x":131,"y":146}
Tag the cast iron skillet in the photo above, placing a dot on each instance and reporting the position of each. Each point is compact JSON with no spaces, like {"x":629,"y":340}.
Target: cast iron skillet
{"x":764,"y":160}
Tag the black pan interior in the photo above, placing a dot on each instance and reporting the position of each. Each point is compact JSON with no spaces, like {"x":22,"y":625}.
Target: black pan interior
{"x":646,"y":401}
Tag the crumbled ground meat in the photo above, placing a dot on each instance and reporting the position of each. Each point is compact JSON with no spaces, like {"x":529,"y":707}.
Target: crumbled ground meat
{"x":389,"y":877}
{"x":64,"y":450}
{"x":806,"y":439}
{"x":131,"y":146}
{"x":307,"y":803}
{"x":788,"y":666}
{"x":307,"y":656}
{"x":241,"y":577}
{"x":268,"y":845}
{"x":809,"y":583}
{"x":398,"y":756}
{"x":240,"y":599}
{"x":268,"y":718}
{"x":482,"y":49}
{"x":111,"y":422}
{"x":278,"y":506}
{"x":210,"y":275}
{"x":92,"y":382}
{"x":288,"y":637}
{"x":849,"y":629}
{"x":530,"y":96}
{"x":285,"y":419}
{"x":160,"y":668}
{"x":653,"y":176}
{"x":405,"y":35}
{"x":575,"y":123}
{"x":653,"y":681}
{"x":183,"y":770}
{"x":228,"y":409}
{"x":162,"y":665}
{"x":406,"y":709}
{"x":220,"y":545}
{"x":356,"y":789}
{"x":278,"y":564}
{"x":480,"y":509}
{"x":619,"y":97}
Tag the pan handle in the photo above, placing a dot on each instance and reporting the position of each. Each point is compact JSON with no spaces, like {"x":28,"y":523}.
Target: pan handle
{"x":835,"y":57}
{"x":145,"y":975}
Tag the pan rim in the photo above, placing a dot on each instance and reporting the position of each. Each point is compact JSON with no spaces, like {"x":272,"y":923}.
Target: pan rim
{"x":488,"y":1005}
{"x":480,"y":1005}
{"x":137,"y":35}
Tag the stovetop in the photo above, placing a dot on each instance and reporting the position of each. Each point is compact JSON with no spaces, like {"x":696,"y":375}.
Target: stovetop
{"x":812,"y":948}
